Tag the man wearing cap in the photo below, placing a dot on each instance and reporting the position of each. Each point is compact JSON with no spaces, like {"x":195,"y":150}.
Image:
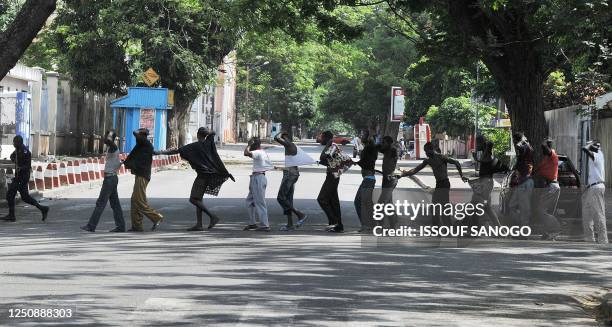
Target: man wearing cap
{"x":203,"y":157}
{"x":22,"y":157}
{"x":109,"y":188}
{"x":593,"y":202}
{"x":139,"y":162}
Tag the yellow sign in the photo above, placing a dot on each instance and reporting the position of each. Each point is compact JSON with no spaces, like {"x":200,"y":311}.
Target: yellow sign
{"x":150,"y":77}
{"x":504,"y":122}
{"x":171,"y":98}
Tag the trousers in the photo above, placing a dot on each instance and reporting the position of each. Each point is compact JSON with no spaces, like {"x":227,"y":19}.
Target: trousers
{"x":256,"y":200}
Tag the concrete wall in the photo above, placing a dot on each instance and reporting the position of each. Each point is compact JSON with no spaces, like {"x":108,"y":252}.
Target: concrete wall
{"x":564,"y":129}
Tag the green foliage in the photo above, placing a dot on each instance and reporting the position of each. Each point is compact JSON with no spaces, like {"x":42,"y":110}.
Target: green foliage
{"x":456,"y":116}
{"x":501,"y":142}
{"x":8,"y":11}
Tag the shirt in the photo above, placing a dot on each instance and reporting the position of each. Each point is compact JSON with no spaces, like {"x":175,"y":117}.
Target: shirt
{"x":549,"y":167}
{"x":140,"y":159}
{"x":596,"y":168}
{"x":23,"y":161}
{"x":299,"y":159}
{"x":367,"y":160}
{"x":261,"y":161}
{"x":524,"y":160}
{"x":113,"y":163}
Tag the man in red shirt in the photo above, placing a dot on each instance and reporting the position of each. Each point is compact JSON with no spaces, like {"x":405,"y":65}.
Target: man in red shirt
{"x":547,"y":188}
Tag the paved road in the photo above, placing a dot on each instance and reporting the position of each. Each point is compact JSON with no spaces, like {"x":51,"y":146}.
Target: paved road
{"x":306,"y":278}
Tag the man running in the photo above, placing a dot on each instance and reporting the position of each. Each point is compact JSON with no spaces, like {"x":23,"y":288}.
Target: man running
{"x":363,"y":199}
{"x":438,"y":163}
{"x":22,"y":157}
{"x":294,"y":157}
{"x":256,"y":200}
{"x":203,"y":157}
{"x":593,"y":200}
{"x":390,"y":152}
{"x":139,"y":162}
{"x":109,"y":188}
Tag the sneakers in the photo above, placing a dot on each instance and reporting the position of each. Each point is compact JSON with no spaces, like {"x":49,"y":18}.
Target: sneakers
{"x":156,"y":224}
{"x":45,"y":211}
{"x":263,"y":229}
{"x":87,"y":228}
{"x":336,"y":229}
{"x":10,"y":218}
{"x":287,"y":228}
{"x":301,"y":222}
{"x":117,"y":230}
{"x":196,"y":228}
{"x":213,"y":221}
{"x":250,"y":227}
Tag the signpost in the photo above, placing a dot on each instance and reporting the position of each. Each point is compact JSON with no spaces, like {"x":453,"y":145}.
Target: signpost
{"x":397,"y":104}
{"x":150,"y":77}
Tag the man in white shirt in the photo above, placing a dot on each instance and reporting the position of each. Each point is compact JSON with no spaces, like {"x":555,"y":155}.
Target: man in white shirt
{"x":108,"y":193}
{"x":256,"y":200}
{"x":593,"y":201}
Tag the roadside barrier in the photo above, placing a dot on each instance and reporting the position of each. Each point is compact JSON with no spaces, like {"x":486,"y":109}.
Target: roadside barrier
{"x":63,"y":174}
{"x":39,"y":178}
{"x":32,"y":181}
{"x":84,"y":171}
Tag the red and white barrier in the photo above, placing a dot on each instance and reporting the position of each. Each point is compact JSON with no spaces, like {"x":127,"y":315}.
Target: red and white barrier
{"x":70,"y":172}
{"x":32,"y":181}
{"x":101,"y":165}
{"x":84,"y":171}
{"x":51,"y":177}
{"x":63,"y":174}
{"x":90,"y":169}
{"x":39,"y":178}
{"x":96,"y":167}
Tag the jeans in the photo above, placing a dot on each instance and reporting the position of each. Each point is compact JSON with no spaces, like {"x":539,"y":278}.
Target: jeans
{"x":482,"y":188}
{"x":108,"y":193}
{"x":287,"y":187}
{"x":364,"y":205}
{"x":329,"y":201}
{"x":594,"y":214}
{"x":548,"y":198}
{"x":256,"y":200}
{"x":140,"y":206}
{"x":19,"y":184}
{"x":520,"y":203}
{"x":386,"y":196}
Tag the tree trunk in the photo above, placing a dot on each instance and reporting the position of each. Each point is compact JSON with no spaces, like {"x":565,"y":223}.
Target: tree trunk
{"x":177,"y":121}
{"x":19,"y":34}
{"x":513,"y":60}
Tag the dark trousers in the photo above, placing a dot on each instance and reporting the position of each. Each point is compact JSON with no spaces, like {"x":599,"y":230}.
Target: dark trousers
{"x":19,"y":184}
{"x":287,"y":187}
{"x":364,"y":204}
{"x":329,"y":201}
{"x":441,"y":195}
{"x":386,"y":196}
{"x":108,"y":193}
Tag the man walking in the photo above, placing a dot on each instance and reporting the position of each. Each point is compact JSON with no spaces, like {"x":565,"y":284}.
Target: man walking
{"x":204,"y":159}
{"x":139,"y":162}
{"x":109,"y":188}
{"x":390,"y":152}
{"x":521,"y":181}
{"x":256,"y":200}
{"x":438,"y":163}
{"x":548,"y":191}
{"x":337,"y":163}
{"x":363,"y":199}
{"x":593,"y":201}
{"x":22,"y":157}
{"x":294,"y":157}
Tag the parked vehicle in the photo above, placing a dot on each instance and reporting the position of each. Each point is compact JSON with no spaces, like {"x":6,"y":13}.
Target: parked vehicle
{"x":342,"y":139}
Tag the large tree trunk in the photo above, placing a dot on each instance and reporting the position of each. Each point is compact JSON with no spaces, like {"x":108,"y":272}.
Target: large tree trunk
{"x":177,"y":121}
{"x":19,"y":34}
{"x":512,"y":59}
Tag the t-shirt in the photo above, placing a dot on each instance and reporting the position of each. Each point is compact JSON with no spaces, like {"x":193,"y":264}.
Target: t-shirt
{"x":596,"y":168}
{"x":299,"y":159}
{"x":261,"y":161}
{"x":113,"y":163}
{"x":549,"y":167}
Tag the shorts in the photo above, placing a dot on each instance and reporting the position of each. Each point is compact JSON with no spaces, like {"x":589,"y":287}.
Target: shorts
{"x":206,"y":184}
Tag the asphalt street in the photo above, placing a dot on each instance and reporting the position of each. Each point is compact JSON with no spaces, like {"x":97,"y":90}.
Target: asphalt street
{"x":231,"y":277}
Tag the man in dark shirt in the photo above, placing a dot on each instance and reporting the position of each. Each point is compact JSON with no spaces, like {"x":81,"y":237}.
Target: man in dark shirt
{"x":390,"y":152}
{"x":139,"y":162}
{"x":521,"y":181}
{"x":203,"y":157}
{"x":328,"y":195}
{"x":438,"y":163}
{"x":23,"y":164}
{"x":363,"y":199}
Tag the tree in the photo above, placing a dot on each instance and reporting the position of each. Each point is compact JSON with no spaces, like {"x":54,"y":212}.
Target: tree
{"x":18,"y":32}
{"x":457,"y":116}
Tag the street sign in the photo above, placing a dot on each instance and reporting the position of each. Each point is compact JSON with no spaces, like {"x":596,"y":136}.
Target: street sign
{"x":397,"y":104}
{"x":150,"y":77}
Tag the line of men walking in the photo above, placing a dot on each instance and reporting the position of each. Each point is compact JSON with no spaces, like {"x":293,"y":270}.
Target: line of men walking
{"x":202,"y":155}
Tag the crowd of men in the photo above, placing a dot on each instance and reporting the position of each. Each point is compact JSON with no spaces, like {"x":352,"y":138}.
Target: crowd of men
{"x":528,"y":185}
